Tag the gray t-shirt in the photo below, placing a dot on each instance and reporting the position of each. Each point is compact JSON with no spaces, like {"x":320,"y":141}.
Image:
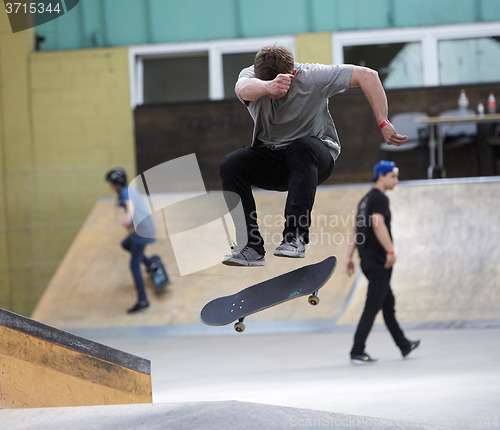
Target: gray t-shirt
{"x":303,"y":111}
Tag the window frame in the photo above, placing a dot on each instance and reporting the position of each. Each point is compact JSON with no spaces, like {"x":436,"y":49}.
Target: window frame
{"x":215,"y":50}
{"x":429,"y":38}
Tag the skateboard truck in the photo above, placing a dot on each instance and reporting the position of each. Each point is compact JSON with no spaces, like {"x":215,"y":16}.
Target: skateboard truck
{"x":313,"y":300}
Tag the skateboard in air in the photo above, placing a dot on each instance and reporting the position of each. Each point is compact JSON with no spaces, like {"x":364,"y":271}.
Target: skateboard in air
{"x":158,"y":275}
{"x":304,"y":281}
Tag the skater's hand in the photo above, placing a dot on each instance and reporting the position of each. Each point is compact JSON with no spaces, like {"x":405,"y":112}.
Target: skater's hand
{"x":127,"y":223}
{"x":350,"y":267}
{"x":390,"y":260}
{"x":392,"y":137}
{"x":279,"y":86}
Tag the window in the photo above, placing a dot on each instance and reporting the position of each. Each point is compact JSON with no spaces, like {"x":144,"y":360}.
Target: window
{"x":232,"y":65}
{"x":469,"y":60}
{"x":192,"y":71}
{"x":398,"y":64}
{"x":176,"y":78}
{"x":425,"y":56}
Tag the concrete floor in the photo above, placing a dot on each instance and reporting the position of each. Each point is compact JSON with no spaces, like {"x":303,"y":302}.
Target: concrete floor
{"x":452,"y":380}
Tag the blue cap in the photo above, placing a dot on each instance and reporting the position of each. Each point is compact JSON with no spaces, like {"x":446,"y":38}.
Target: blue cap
{"x":383,"y":168}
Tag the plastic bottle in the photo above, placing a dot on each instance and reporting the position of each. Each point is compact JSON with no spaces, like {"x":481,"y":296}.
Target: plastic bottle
{"x":463,"y":102}
{"x":492,"y":103}
{"x":480,"y":109}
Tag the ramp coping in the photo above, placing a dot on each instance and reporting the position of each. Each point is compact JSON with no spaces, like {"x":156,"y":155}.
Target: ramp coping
{"x":74,"y":342}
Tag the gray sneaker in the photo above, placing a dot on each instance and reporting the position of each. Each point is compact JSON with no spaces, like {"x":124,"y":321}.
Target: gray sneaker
{"x":296,"y":248}
{"x":248,"y":256}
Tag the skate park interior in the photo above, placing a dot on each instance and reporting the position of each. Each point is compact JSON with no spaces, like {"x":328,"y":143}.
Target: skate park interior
{"x":291,"y":364}
{"x":425,"y":240}
{"x":72,"y":357}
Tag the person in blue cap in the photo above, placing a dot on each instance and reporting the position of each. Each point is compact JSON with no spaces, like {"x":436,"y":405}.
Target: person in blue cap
{"x":373,"y":239}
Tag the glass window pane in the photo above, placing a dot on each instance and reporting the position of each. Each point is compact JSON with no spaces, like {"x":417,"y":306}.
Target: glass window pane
{"x":469,"y":61}
{"x":174,"y":79}
{"x":233,"y":64}
{"x":399,"y":65}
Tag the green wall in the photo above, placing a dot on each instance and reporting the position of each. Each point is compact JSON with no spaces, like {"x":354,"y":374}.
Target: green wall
{"x":102,"y":23}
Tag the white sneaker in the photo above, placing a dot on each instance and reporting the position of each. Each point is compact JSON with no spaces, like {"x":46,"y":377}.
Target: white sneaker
{"x":295,"y":248}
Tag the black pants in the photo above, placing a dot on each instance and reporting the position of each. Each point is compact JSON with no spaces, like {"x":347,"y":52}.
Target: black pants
{"x":297,"y":169}
{"x":379,"y":297}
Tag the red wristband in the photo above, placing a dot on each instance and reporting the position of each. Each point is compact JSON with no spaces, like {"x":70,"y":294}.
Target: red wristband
{"x":390,"y":252}
{"x":384,"y":123}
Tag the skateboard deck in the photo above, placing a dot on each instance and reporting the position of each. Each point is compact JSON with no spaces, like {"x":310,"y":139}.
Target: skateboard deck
{"x":159,"y":276}
{"x":299,"y":282}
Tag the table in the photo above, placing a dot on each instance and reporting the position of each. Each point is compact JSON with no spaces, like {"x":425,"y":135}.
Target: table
{"x":436,"y":141}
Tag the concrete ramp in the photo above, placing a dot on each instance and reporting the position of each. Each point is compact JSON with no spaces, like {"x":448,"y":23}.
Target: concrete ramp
{"x":41,"y":366}
{"x":446,"y":237}
{"x":93,"y":286}
{"x":446,"y":234}
{"x":194,"y":416}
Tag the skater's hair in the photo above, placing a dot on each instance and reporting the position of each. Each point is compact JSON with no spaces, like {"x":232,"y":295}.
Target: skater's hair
{"x":271,"y":61}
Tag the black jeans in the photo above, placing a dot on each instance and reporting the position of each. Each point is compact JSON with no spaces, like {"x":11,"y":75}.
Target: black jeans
{"x":298,"y":169}
{"x":379,"y":297}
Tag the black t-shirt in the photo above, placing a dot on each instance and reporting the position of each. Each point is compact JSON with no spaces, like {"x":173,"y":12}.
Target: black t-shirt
{"x":375,"y":201}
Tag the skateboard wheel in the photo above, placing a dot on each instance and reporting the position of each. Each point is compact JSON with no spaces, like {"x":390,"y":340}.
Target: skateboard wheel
{"x":239,"y":327}
{"x":313,"y":300}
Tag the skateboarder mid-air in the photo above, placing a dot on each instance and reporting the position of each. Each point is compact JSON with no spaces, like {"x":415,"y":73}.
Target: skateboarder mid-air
{"x":373,"y":239}
{"x":295,"y":143}
{"x":134,"y":243}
